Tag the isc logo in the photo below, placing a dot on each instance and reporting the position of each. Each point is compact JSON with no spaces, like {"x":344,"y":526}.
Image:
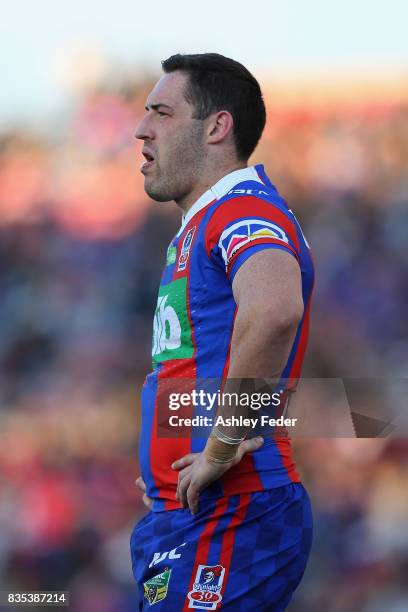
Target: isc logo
{"x":248,"y":191}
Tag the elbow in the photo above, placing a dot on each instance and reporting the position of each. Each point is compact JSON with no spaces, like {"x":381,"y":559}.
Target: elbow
{"x":293,"y":315}
{"x":283,"y":320}
{"x":288,"y":322}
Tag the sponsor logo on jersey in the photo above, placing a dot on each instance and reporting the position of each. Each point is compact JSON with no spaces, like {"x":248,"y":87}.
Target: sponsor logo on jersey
{"x":171,"y":326}
{"x":158,"y":557}
{"x":155,"y":589}
{"x":205,"y":594}
{"x":166,"y":327}
{"x":249,"y":230}
{"x":171,"y":255}
{"x":185,"y":249}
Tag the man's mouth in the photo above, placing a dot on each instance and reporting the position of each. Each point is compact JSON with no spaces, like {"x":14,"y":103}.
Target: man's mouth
{"x":149,"y":161}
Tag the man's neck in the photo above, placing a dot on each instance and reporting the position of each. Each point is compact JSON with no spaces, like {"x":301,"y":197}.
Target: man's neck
{"x":202,"y":186}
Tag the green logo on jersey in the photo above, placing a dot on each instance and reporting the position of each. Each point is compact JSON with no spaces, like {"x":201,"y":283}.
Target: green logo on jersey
{"x":171,"y":255}
{"x":155,"y":589}
{"x":171,"y":327}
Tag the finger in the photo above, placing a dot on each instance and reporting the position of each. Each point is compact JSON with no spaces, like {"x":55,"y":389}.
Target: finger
{"x":147,"y":501}
{"x":252,"y":444}
{"x":192,"y":498}
{"x":182,"y":474}
{"x":183,"y":461}
{"x":248,"y":446}
{"x":140,"y":483}
{"x":182,"y":490}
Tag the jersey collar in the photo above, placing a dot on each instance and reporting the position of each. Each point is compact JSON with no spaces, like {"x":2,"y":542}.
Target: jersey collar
{"x":220,"y":189}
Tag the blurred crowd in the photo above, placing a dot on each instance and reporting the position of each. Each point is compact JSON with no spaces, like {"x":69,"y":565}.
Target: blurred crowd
{"x":81,"y":252}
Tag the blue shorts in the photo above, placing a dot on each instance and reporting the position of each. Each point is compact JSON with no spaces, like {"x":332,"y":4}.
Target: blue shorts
{"x":240,"y":553}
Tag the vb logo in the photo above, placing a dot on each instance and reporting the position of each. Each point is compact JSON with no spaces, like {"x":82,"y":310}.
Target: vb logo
{"x":166,"y":327}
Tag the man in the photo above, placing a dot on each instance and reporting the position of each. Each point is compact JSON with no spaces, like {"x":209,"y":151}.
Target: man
{"x":230,"y":523}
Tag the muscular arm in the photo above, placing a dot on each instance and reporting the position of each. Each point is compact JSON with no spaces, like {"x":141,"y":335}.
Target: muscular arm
{"x":268,"y":292}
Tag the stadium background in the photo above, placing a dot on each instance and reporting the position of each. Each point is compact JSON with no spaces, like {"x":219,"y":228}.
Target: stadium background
{"x":81,"y":254}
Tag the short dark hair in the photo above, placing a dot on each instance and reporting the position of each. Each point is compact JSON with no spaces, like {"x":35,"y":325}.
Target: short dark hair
{"x":218,"y":83}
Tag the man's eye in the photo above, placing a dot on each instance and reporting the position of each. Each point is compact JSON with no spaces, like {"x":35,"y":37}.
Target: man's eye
{"x":161,"y":113}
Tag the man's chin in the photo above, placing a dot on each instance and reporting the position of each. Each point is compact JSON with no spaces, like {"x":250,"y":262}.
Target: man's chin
{"x":156,"y":194}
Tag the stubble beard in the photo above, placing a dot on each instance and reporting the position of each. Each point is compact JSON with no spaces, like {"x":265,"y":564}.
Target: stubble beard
{"x":176,"y":177}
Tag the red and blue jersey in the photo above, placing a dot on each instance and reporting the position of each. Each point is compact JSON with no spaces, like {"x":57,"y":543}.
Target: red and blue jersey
{"x":240,"y":215}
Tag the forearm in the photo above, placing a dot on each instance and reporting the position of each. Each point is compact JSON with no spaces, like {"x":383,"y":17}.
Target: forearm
{"x":259,"y":349}
{"x":260,"y":345}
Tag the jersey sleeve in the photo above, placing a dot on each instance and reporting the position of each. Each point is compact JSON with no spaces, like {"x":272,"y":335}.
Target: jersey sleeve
{"x":242,"y":226}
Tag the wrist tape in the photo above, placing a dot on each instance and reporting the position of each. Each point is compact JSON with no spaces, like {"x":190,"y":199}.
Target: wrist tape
{"x":221,"y":448}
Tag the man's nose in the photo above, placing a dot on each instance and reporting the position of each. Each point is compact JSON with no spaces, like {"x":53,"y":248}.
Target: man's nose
{"x":143,"y":130}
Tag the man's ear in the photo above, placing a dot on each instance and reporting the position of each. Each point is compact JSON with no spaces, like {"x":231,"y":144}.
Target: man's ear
{"x":219,"y":127}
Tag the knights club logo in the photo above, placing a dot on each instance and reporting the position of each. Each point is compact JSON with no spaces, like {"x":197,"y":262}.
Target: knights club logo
{"x":206,"y":592}
{"x":185,"y":249}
